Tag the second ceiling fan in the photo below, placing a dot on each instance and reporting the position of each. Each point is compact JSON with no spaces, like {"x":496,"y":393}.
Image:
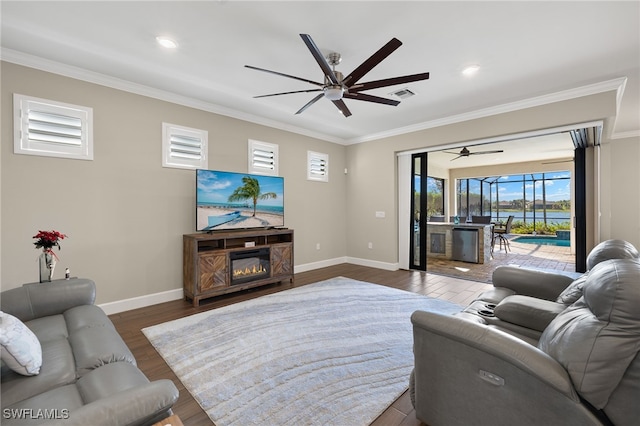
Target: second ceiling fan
{"x":337,"y":87}
{"x":464,"y":152}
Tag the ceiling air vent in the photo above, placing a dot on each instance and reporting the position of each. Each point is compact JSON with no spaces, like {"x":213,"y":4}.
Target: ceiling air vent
{"x":403,"y":93}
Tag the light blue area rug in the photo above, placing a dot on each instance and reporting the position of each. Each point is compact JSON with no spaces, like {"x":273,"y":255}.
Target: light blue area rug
{"x":337,"y":352}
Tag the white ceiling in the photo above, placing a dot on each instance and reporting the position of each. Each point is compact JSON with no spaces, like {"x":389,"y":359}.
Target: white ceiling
{"x":546,"y":148}
{"x":526,"y":50}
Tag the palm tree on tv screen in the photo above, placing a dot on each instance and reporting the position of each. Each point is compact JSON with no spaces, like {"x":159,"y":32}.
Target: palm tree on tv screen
{"x":250,"y":190}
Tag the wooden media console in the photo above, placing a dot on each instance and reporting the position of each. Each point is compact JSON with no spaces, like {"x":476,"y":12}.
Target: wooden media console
{"x":224,"y":262}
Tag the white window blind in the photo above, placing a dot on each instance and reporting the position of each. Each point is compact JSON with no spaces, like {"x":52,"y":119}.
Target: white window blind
{"x":53,"y":129}
{"x":317,"y":166}
{"x":263,"y":158}
{"x":184,"y":147}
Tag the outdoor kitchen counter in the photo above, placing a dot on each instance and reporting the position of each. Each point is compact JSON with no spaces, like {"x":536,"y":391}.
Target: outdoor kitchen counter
{"x":440,"y":239}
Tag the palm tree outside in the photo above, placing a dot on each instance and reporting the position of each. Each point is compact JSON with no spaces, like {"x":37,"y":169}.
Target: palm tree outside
{"x":250,"y":191}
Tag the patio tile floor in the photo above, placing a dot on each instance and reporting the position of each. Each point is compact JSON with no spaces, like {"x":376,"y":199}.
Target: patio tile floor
{"x":521,"y":254}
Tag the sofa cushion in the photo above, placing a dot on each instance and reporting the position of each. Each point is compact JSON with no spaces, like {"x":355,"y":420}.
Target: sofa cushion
{"x":495,"y":295}
{"x":94,"y":347}
{"x":598,"y":337}
{"x":21,"y":350}
{"x":86,"y":316}
{"x":611,"y":249}
{"x":49,"y":328}
{"x":109,"y":380}
{"x":58,"y":369}
{"x":528,"y":312}
{"x":573,"y":292}
{"x":55,"y":404}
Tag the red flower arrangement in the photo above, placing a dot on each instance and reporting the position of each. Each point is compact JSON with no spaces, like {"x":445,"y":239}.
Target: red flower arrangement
{"x":48,"y":239}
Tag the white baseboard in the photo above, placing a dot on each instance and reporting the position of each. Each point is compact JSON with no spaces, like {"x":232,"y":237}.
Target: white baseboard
{"x":317,"y":265}
{"x":141,"y":301}
{"x":373,"y":263}
{"x":111,"y":308}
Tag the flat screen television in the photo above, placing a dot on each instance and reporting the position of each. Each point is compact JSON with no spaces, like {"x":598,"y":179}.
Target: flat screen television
{"x":229,"y":200}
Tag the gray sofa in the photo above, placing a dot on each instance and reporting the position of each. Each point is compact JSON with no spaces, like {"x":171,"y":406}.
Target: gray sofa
{"x":547,"y":349}
{"x":87,"y":375}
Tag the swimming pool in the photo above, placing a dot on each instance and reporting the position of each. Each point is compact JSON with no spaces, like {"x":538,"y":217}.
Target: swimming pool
{"x":542,"y":241}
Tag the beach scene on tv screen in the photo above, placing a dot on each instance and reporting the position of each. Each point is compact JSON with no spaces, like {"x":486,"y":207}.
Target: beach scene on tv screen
{"x":226,"y":200}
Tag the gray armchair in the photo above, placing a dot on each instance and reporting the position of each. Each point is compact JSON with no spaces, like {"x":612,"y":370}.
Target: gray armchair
{"x":585,"y":369}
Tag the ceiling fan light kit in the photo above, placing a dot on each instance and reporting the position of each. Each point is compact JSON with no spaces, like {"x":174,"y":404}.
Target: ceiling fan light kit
{"x":333,"y":93}
{"x":336,"y":87}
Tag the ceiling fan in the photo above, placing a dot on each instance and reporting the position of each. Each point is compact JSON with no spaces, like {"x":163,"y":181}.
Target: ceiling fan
{"x":337,"y":87}
{"x":464,"y":152}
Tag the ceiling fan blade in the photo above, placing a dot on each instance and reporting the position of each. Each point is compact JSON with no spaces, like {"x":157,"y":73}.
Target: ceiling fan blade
{"x":284,"y":75}
{"x":288,"y":93}
{"x":311,"y":102}
{"x":388,"y":82}
{"x":370,"y":98}
{"x":320,"y":59}
{"x":342,"y":107}
{"x":455,"y":158}
{"x":373,"y":60}
{"x":486,"y":152}
{"x":454,"y":153}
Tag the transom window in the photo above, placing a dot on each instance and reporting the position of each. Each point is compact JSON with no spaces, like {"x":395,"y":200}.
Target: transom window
{"x":52,"y":129}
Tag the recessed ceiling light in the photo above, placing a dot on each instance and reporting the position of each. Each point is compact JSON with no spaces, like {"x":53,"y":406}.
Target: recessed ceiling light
{"x":471,"y":70}
{"x":166,"y":42}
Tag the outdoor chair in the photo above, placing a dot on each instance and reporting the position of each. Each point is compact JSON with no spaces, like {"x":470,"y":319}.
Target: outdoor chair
{"x":481,"y":219}
{"x":500,"y":233}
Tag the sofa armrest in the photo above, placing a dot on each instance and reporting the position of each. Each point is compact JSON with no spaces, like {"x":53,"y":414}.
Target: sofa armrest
{"x":138,"y":406}
{"x":528,"y":312}
{"x":501,"y":379}
{"x":38,"y":300}
{"x":504,"y":347}
{"x":531,"y":282}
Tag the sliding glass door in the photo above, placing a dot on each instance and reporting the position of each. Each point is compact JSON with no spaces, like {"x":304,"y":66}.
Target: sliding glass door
{"x":427,"y":201}
{"x":418,"y":232}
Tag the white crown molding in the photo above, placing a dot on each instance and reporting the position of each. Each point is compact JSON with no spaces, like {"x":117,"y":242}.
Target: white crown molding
{"x":77,"y":73}
{"x":625,"y":135}
{"x":617,"y":84}
{"x":42,"y":64}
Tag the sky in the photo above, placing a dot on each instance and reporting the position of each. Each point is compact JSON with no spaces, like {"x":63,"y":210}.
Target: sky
{"x":216,"y":186}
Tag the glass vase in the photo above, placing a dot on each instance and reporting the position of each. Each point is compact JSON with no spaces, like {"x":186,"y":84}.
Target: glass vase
{"x":47,"y":263}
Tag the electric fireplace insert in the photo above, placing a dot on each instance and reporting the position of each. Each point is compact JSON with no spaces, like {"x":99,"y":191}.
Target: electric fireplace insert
{"x":249,"y":265}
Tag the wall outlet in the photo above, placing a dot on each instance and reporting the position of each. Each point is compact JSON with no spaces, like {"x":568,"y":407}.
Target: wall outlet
{"x":380,"y":215}
{"x":370,"y":245}
{"x":317,"y":246}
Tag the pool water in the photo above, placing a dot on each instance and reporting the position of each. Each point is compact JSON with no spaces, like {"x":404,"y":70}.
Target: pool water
{"x":542,"y":241}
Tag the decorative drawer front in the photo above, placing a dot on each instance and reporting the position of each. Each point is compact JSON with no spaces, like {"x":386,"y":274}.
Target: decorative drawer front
{"x":213,"y":271}
{"x":281,"y":259}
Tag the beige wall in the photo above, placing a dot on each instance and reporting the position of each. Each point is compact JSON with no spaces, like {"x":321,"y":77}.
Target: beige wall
{"x":620,"y":190}
{"x":372,"y":188}
{"x":123,"y":212}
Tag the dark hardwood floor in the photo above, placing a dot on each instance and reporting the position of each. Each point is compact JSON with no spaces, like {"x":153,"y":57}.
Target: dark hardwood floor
{"x":400,"y":413}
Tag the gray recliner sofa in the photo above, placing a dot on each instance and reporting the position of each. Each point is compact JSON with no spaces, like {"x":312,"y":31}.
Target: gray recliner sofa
{"x":524,"y":301}
{"x":88,"y":376}
{"x":582,"y":368}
